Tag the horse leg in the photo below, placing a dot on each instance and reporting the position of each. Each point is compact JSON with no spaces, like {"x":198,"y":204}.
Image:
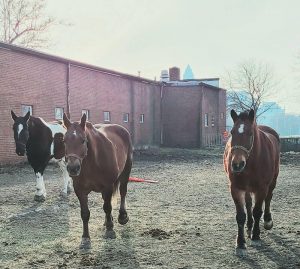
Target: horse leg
{"x":123,"y":217}
{"x":67,"y":185}
{"x":110,"y":233}
{"x":257,"y":213}
{"x":124,"y":177}
{"x":85,"y":216}
{"x":40,"y":194}
{"x":268,"y":222}
{"x":238,"y":197}
{"x":249,"y":213}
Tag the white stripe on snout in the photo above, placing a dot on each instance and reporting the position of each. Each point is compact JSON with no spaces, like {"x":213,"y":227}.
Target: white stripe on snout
{"x":241,"y":128}
{"x":74,"y":133}
{"x":20,"y":128}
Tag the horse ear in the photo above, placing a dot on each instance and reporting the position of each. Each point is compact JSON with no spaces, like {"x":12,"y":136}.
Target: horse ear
{"x":83,"y":121}
{"x":66,"y":121}
{"x":233,"y":114}
{"x":26,"y":118}
{"x":13,"y":115}
{"x":251,"y":115}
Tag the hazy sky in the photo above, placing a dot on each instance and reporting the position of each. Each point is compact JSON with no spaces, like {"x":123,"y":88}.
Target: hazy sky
{"x":212,"y":36}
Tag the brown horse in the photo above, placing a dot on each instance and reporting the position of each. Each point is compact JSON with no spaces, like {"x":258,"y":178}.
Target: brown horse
{"x":98,"y":159}
{"x":251,"y":161}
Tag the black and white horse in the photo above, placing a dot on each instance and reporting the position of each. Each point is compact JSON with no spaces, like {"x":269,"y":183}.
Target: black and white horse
{"x":41,"y":141}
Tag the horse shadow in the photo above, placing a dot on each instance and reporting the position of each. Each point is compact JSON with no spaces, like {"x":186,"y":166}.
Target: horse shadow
{"x":113,"y":253}
{"x":281,"y":251}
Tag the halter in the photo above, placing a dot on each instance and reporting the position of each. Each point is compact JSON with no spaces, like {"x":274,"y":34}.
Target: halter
{"x":248,"y":151}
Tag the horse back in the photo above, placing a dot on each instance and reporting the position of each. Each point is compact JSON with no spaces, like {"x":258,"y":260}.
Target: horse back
{"x":269,"y":130}
{"x":117,"y":139}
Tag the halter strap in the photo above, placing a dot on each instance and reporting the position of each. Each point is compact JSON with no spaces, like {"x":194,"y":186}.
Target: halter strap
{"x":76,"y":156}
{"x":248,"y":151}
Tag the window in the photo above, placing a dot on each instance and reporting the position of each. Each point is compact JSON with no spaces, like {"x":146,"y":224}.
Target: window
{"x":25,"y":109}
{"x":86,"y":112}
{"x":206,"y":120}
{"x":59,"y":112}
{"x":212,"y":121}
{"x":142,"y":118}
{"x":106,"y":116}
{"x":222,"y":116}
{"x":126,"y":117}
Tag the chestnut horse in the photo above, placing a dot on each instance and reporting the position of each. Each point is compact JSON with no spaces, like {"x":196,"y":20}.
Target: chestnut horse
{"x":98,"y":159}
{"x":251,"y":161}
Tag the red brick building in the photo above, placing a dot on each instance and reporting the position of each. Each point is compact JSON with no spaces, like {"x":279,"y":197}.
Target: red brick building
{"x":155,"y":113}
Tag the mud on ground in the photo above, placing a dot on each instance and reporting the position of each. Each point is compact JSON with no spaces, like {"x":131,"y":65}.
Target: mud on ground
{"x":187,"y":220}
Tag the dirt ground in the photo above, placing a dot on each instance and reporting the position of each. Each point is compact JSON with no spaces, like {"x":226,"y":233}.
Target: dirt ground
{"x":187,"y":220}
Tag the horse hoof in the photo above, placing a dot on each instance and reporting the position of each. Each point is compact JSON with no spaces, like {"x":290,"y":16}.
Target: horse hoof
{"x":123,"y":219}
{"x":110,"y":234}
{"x":241,"y":252}
{"x":268,"y":225}
{"x":256,"y":243}
{"x":85,"y":243}
{"x":39,"y":198}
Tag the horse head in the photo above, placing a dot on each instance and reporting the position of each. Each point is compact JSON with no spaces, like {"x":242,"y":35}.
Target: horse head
{"x":242,"y":139}
{"x":21,"y":133}
{"x":75,"y":140}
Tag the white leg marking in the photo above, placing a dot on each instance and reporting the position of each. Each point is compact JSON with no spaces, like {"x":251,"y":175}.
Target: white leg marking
{"x":40,"y":185}
{"x":67,"y":180}
{"x":20,"y":128}
{"x":241,"y":128}
{"x":52,"y":148}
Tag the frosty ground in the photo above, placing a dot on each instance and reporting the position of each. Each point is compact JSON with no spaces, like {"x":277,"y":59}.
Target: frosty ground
{"x":187,"y":220}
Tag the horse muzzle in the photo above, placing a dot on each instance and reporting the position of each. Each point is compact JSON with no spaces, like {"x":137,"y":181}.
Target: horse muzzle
{"x":238,"y":167}
{"x":74,"y":169}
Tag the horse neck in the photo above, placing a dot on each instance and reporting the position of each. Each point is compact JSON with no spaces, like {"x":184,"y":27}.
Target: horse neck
{"x":256,"y":142}
{"x":95,"y":140}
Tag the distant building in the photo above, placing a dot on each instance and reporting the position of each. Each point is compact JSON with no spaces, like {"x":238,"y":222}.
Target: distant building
{"x":188,"y":73}
{"x":274,"y":116}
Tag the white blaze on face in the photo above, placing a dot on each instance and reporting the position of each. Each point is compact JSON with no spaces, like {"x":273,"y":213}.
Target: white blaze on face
{"x":40,"y":185}
{"x":74,"y":133}
{"x":241,"y":129}
{"x":20,"y":128}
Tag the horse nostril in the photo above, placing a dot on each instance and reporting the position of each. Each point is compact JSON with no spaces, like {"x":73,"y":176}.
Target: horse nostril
{"x":242,"y":164}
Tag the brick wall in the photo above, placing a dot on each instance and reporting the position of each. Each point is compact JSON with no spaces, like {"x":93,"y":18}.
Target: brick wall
{"x":30,"y":80}
{"x":184,"y":109}
{"x":43,"y":81}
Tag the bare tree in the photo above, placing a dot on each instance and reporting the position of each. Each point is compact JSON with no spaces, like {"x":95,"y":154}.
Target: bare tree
{"x":24,"y":22}
{"x":250,"y":84}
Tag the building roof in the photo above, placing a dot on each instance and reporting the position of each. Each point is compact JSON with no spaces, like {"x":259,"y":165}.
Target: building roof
{"x":75,"y":63}
{"x":185,"y":82}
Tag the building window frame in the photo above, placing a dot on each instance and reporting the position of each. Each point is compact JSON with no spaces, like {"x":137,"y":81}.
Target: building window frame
{"x":106,"y":116}
{"x":142,"y":118}
{"x":25,"y":109}
{"x":222,"y":115}
{"x":126,"y":117}
{"x":86,"y":112}
{"x":206,"y":119}
{"x":58,"y":113}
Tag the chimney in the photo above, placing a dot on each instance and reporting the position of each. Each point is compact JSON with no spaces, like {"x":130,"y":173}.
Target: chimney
{"x":174,"y":73}
{"x":164,"y":76}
